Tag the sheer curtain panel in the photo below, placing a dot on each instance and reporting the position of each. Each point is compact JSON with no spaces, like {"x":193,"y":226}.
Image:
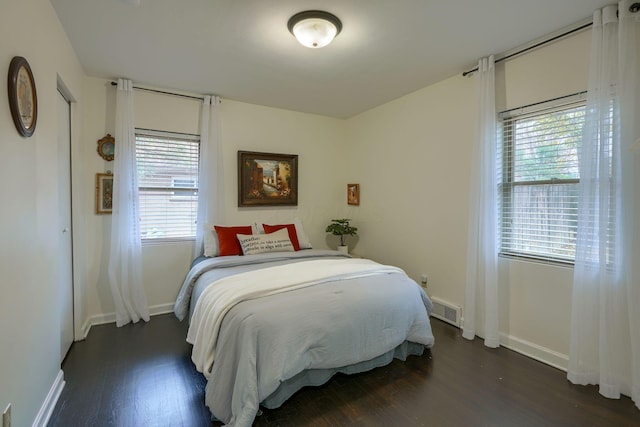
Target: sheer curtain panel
{"x":605,"y":317}
{"x":210,"y":183}
{"x":125,"y":257}
{"x":481,"y":294}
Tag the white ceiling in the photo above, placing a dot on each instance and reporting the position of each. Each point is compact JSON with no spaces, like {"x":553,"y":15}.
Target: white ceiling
{"x":242,"y":50}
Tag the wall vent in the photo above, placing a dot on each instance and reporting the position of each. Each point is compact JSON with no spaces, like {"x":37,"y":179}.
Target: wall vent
{"x":446,"y":311}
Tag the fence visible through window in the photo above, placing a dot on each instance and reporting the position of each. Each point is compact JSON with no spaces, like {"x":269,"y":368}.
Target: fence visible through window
{"x":538,"y":180}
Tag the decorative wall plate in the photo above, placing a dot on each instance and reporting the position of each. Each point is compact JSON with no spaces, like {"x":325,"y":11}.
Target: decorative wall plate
{"x":106,"y":147}
{"x":23,"y":100}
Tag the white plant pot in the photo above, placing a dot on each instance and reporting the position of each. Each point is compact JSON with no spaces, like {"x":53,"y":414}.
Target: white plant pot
{"x":344,"y":249}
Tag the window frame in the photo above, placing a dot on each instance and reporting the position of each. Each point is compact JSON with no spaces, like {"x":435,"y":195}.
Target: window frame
{"x":174,"y":191}
{"x":507,"y":184}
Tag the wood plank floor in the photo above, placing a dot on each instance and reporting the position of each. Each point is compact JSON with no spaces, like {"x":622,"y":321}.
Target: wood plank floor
{"x":141,"y":375}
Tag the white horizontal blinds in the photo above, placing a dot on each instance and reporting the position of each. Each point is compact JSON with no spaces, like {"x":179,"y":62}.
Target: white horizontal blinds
{"x":168,"y":184}
{"x":539,"y":182}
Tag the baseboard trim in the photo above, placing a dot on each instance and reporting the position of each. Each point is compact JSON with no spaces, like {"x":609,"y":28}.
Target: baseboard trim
{"x":101,"y":319}
{"x":535,"y":351}
{"x":159,"y":309}
{"x":86,"y":327}
{"x":50,"y":401}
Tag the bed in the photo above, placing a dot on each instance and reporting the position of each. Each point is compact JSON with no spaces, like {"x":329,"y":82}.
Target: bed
{"x":263,"y":326}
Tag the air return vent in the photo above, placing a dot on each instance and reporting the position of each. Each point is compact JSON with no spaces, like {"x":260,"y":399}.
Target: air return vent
{"x":446,"y":311}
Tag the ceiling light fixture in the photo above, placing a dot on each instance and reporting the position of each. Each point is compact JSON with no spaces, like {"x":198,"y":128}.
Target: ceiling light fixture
{"x":314,"y":28}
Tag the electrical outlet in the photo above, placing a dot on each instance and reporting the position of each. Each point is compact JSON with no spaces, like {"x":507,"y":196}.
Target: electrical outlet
{"x":423,"y":279}
{"x":6,"y":416}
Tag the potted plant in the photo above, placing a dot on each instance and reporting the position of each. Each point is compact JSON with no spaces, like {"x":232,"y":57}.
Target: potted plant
{"x":341,"y":227}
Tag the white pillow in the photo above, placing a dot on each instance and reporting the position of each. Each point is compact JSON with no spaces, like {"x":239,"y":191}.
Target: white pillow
{"x":277,"y":241}
{"x":303,"y":239}
{"x":210,"y":241}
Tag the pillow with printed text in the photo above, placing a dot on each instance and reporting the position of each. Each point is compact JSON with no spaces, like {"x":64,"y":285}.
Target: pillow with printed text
{"x":277,"y":241}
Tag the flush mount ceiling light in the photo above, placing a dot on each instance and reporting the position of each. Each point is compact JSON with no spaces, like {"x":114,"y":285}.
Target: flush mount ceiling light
{"x":314,"y":28}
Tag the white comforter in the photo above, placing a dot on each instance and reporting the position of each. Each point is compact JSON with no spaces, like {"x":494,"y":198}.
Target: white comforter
{"x":225,"y":293}
{"x":258,"y":324}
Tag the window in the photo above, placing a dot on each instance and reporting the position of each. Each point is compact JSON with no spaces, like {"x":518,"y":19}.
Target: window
{"x":539,"y":181}
{"x":167,"y":166}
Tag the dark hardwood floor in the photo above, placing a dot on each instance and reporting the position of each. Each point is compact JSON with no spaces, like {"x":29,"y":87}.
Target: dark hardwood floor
{"x":141,"y":375}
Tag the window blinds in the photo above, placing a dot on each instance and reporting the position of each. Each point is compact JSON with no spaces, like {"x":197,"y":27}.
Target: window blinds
{"x":539,"y":178}
{"x":167,"y":167}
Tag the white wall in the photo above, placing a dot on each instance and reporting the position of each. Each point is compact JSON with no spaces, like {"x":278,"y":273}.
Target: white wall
{"x":315,"y":139}
{"x":29,"y":307}
{"x":412,"y":158}
{"x":319,"y":143}
{"x":558,"y":69}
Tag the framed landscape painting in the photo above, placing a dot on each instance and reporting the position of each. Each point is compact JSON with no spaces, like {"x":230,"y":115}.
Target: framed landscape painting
{"x":267,"y":179}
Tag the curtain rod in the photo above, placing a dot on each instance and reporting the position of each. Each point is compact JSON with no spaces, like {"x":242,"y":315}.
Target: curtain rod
{"x":542,"y":43}
{"x":163,"y":92}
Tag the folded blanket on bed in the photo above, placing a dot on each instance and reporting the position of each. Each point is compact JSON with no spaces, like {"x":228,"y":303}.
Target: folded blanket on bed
{"x":227,"y":265}
{"x":225,"y":293}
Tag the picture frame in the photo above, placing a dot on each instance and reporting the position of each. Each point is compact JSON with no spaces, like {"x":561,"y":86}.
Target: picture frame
{"x":267,"y":179}
{"x":23,"y":99}
{"x":353,"y":194}
{"x":104,"y":193}
{"x":106,"y":147}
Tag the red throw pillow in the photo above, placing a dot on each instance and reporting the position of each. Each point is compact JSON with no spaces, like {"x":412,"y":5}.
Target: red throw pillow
{"x":228,"y":243}
{"x":291,"y":228}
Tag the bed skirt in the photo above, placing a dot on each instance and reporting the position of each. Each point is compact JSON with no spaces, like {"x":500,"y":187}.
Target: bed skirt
{"x":317,"y":377}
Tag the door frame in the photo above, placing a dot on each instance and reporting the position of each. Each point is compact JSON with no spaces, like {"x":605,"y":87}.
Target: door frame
{"x":75,"y":225}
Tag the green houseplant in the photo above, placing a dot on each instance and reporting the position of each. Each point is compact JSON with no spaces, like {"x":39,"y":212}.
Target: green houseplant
{"x":341,"y":227}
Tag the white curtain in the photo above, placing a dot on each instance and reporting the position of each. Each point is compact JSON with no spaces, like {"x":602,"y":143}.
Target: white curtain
{"x":210,"y":172}
{"x":481,"y":296}
{"x":125,"y":260}
{"x":605,"y":318}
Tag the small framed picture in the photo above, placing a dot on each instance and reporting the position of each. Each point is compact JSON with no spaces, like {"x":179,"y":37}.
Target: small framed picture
{"x":353,"y":194}
{"x":104,"y":193}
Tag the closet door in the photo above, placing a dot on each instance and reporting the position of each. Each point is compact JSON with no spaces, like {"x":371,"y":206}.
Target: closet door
{"x":65,"y":252}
